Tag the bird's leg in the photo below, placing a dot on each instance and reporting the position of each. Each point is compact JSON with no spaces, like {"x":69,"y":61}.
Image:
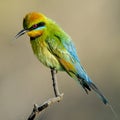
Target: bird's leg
{"x":55,"y":85}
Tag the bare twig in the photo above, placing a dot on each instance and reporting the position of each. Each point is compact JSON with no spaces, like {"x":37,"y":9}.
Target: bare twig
{"x":58,"y":97}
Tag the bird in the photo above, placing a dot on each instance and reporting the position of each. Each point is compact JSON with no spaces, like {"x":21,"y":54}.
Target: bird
{"x":55,"y":49}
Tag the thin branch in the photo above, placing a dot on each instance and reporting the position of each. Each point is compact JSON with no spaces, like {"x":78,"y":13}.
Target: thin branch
{"x":58,"y":97}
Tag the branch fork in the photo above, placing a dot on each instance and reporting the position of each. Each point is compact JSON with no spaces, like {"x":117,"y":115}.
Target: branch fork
{"x":58,"y":97}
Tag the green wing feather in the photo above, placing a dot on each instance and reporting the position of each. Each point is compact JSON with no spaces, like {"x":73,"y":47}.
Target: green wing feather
{"x":57,"y":48}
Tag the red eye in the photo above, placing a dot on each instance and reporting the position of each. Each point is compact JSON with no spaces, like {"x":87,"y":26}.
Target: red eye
{"x":34,"y":26}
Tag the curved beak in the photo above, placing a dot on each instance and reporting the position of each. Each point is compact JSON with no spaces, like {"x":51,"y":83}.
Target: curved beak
{"x":22,"y":32}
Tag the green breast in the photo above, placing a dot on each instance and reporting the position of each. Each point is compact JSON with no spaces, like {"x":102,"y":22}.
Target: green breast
{"x":39,"y":47}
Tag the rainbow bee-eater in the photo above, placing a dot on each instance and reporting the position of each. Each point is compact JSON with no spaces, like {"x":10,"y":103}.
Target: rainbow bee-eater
{"x":55,"y":49}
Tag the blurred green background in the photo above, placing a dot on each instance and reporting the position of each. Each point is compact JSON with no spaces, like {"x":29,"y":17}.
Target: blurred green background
{"x":94,"y":26}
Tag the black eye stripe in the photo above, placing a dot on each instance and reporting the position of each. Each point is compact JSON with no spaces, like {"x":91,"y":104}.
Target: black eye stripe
{"x":41,"y":24}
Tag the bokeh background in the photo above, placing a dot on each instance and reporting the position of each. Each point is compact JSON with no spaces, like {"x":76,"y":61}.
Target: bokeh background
{"x":94,"y":25}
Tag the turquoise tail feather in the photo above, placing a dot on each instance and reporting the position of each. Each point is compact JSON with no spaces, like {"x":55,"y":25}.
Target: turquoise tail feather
{"x":87,"y":83}
{"x":90,"y":85}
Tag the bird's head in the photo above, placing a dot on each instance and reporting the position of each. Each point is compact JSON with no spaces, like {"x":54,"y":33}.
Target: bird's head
{"x":33,"y":24}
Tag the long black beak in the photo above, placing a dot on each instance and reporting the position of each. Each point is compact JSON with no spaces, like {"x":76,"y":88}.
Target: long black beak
{"x":22,"y":32}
